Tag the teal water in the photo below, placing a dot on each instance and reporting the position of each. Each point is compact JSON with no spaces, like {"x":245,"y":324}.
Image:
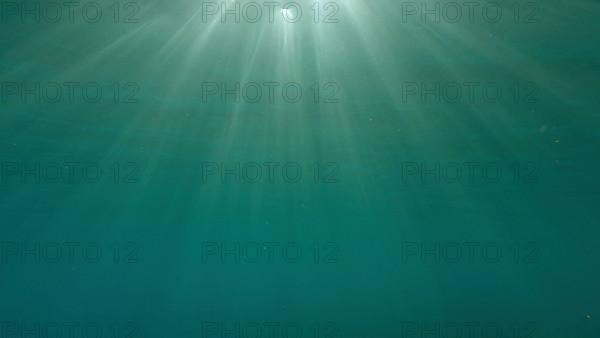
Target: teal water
{"x":378,"y":233}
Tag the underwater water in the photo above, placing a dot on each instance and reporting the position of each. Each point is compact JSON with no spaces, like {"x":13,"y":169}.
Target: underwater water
{"x":341,"y":169}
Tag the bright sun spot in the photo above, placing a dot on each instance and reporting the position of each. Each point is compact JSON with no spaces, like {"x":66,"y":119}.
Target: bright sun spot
{"x":287,"y":13}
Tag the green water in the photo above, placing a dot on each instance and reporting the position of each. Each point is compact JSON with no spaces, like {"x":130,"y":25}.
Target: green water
{"x":378,"y":233}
